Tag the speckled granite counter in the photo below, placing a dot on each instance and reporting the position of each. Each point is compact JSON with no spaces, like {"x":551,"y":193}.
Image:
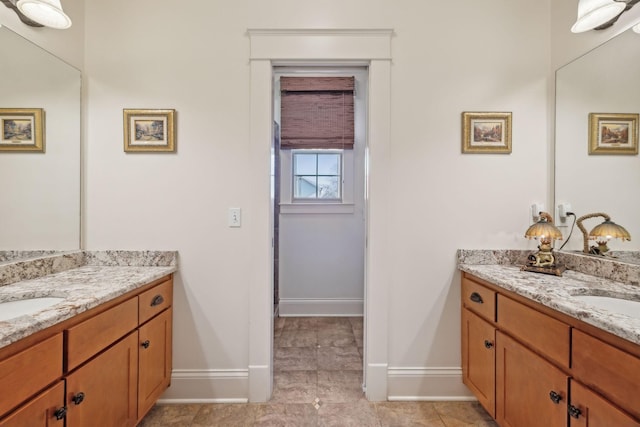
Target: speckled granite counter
{"x":90,"y":279}
{"x":502,"y":268}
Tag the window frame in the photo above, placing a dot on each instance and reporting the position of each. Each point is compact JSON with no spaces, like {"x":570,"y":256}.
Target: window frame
{"x":340,"y":175}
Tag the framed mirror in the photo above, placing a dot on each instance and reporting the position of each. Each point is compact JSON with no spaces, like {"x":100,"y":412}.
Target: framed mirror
{"x":602,"y":83}
{"x":40,"y":190}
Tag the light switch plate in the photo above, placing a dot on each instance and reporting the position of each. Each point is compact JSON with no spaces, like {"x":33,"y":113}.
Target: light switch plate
{"x":235,"y":217}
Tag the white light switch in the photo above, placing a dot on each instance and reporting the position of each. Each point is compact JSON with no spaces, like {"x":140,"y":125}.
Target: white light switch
{"x":235,"y":217}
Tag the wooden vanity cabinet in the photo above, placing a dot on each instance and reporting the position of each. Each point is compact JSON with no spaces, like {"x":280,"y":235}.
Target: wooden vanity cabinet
{"x":528,"y":388}
{"x":478,"y":359}
{"x":155,"y":361}
{"x":114,"y":362}
{"x":45,"y":410}
{"x":104,"y":391}
{"x":550,"y":369}
{"x":588,"y":409}
{"x":478,"y":342}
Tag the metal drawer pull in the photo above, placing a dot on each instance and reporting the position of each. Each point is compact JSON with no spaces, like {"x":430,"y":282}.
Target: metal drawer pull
{"x":157,"y":300}
{"x":475,"y":297}
{"x":146,"y":344}
{"x":488,"y":344}
{"x":60,"y":413}
{"x":78,"y":398}
{"x":574,"y":412}
{"x":555,"y":397}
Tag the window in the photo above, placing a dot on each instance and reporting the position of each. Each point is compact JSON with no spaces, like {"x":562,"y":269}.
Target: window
{"x":317,"y":175}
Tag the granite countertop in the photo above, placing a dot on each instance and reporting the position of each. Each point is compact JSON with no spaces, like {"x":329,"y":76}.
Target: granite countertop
{"x":100,"y":278}
{"x":558,"y":293}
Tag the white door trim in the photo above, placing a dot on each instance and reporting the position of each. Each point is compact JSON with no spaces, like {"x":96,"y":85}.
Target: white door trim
{"x":327,"y":47}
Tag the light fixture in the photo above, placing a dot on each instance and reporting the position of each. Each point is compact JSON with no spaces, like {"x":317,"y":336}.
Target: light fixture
{"x":39,"y":13}
{"x":601,"y":233}
{"x":544,"y":261}
{"x":594,"y":13}
{"x":636,"y":28}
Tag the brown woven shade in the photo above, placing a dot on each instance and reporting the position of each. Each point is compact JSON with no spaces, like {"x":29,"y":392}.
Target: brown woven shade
{"x":317,"y":112}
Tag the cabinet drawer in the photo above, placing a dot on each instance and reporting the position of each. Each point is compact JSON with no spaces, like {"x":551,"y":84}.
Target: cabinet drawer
{"x":93,"y":335}
{"x":26,"y":373}
{"x":40,"y":411}
{"x":479,"y":299}
{"x":154,"y":301}
{"x":541,"y":332}
{"x":613,"y":372}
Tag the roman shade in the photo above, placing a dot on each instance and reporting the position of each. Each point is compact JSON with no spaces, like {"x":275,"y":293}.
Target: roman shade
{"x":317,"y":112}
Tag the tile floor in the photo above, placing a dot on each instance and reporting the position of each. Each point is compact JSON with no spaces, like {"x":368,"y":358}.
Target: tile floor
{"x":317,"y":382}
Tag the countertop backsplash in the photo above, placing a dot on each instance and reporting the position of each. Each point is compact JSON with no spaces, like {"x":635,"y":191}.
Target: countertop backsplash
{"x":616,"y":269}
{"x":56,"y":262}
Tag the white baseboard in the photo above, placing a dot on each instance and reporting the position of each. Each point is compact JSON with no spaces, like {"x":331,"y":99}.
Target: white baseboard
{"x":376,"y":382}
{"x":290,"y":307}
{"x":430,"y":384}
{"x":259,"y":383}
{"x":207,"y":386}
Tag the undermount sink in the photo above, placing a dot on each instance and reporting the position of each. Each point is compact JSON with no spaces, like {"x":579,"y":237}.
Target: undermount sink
{"x":12,"y":309}
{"x":615,"y":305}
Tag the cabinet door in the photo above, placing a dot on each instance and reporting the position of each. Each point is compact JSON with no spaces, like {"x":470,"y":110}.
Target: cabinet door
{"x":588,"y":409}
{"x":478,"y":359}
{"x":154,"y":360}
{"x":529,"y":390}
{"x":41,"y":411}
{"x":104,"y":391}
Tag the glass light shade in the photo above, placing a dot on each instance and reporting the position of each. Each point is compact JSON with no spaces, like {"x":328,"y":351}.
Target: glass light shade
{"x":593,"y":13}
{"x":544,"y":231}
{"x":609,"y":230}
{"x":46,"y":12}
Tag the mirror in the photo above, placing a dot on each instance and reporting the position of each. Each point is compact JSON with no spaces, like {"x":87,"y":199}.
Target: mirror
{"x":40,"y":196}
{"x":605,"y":80}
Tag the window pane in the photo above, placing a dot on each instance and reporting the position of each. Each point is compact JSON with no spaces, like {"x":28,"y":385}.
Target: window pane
{"x":305,"y":187}
{"x":328,"y":164}
{"x":328,"y":187}
{"x":304,"y":164}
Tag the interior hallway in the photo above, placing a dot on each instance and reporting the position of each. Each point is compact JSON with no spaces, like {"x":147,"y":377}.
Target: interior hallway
{"x":318,"y":382}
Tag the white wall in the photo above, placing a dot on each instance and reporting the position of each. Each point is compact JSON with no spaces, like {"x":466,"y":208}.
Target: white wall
{"x":463,"y":56}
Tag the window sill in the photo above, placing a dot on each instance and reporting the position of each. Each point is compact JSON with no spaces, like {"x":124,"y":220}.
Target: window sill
{"x":317,"y":208}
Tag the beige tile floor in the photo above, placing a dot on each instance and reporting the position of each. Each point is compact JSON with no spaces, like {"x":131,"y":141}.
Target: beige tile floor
{"x":317,"y":382}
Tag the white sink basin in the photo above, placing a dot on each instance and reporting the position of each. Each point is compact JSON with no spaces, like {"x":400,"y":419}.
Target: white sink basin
{"x":11,"y":309}
{"x":614,"y":305}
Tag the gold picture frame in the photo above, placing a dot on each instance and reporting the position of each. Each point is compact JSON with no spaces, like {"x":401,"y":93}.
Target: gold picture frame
{"x":613,"y":133}
{"x":486,"y":132}
{"x":149,"y":130}
{"x":22,"y":129}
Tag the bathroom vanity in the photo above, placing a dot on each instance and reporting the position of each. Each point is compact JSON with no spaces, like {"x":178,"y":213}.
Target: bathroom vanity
{"x":103,"y":353}
{"x":533,"y":352}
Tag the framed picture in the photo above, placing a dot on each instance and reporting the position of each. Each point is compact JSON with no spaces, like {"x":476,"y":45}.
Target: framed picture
{"x":22,"y":129}
{"x":486,"y":132}
{"x":613,"y":133}
{"x":149,"y":130}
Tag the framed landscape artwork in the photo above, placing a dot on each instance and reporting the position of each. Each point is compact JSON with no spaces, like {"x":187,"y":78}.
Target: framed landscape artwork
{"x":613,"y":133}
{"x":486,"y":132}
{"x":22,"y":129}
{"x":149,"y":130}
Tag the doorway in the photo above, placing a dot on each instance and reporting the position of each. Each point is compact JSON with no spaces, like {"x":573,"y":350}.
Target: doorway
{"x":362,"y":47}
{"x":319,"y":208}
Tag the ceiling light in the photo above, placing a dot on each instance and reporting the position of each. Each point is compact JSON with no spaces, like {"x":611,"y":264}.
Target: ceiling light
{"x":46,"y":12}
{"x":593,"y":13}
